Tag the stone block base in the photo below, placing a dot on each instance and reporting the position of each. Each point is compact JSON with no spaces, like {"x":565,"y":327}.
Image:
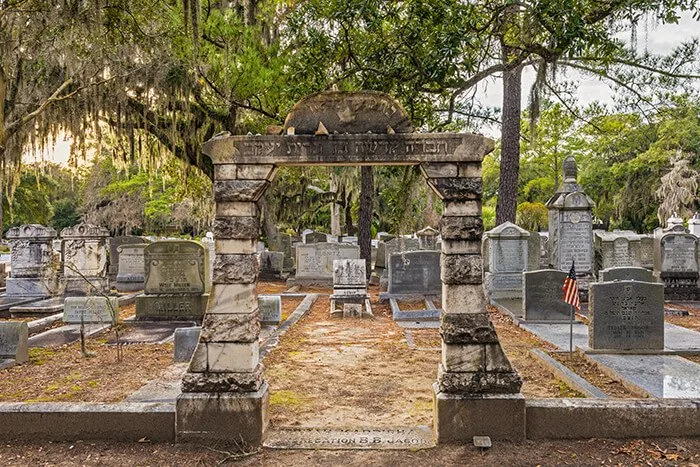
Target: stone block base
{"x":239,"y":418}
{"x":122,"y":286}
{"x":171,"y":307}
{"x":78,"y":286}
{"x":30,"y":287}
{"x":458,"y":418}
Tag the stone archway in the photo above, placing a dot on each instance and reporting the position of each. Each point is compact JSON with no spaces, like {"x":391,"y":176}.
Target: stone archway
{"x":224,"y":393}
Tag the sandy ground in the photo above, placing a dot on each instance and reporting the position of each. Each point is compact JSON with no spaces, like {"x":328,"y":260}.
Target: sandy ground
{"x":594,"y":452}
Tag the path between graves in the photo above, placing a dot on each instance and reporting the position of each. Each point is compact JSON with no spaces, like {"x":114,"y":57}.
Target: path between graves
{"x":334,"y":372}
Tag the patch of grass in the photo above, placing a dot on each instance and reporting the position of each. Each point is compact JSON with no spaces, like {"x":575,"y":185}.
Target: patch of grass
{"x":39,"y":355}
{"x":286,"y":398}
{"x":421,"y":406}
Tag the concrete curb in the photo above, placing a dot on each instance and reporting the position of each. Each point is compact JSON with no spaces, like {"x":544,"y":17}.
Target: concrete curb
{"x":610,"y":418}
{"x":65,"y":421}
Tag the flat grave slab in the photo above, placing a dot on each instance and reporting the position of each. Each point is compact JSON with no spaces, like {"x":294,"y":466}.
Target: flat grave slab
{"x":678,"y":338}
{"x":48,"y":306}
{"x":7,"y":302}
{"x":419,"y":324}
{"x":558,"y":333}
{"x":664,"y":376}
{"x":147,"y":332}
{"x":64,"y":335}
{"x":420,"y":437}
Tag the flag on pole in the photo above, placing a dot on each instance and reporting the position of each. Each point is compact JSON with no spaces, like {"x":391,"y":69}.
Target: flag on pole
{"x":571,"y":289}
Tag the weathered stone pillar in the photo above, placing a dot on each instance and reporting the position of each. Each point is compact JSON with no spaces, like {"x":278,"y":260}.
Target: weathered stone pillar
{"x":477,"y":392}
{"x":224,"y":396}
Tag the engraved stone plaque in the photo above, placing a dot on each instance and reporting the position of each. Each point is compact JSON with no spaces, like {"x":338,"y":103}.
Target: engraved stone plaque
{"x":353,"y":438}
{"x":315,"y":261}
{"x":415,"y":272}
{"x":176,"y":267}
{"x":90,"y":310}
{"x":626,"y":315}
{"x":543,"y":297}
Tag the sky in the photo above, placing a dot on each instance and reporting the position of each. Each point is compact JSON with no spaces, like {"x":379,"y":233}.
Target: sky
{"x":658,"y":39}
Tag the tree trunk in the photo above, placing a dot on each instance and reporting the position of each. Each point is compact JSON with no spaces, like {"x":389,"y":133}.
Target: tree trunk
{"x":364,"y":224}
{"x":271,"y":232}
{"x":510,"y":147}
{"x":335,"y":208}
{"x":348,"y":215}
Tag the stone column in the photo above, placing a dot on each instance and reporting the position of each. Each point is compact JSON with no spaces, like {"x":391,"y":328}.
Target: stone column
{"x":224,"y":396}
{"x":477,"y":392}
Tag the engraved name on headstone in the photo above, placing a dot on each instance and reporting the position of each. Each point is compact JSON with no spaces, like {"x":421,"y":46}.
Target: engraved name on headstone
{"x":626,"y":315}
{"x":90,"y":310}
{"x":315,"y":261}
{"x":176,"y":267}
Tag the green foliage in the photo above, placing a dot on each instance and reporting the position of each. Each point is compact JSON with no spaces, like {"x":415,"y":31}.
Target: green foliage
{"x":532,"y":216}
{"x":488,"y":214}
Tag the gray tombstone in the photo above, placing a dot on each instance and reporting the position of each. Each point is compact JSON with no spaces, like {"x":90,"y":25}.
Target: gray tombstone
{"x":534,"y":251}
{"x":33,"y":264}
{"x":646,"y":251}
{"x":14,"y":337}
{"x":617,"y":249}
{"x":543,"y":297}
{"x":88,"y":310}
{"x":270,"y":307}
{"x":626,"y":274}
{"x":350,"y":289}
{"x":185,"y":341}
{"x":176,"y":281}
{"x":505,"y":259}
{"x":271,"y":265}
{"x":286,"y":247}
{"x":316,"y":237}
{"x":85,"y":259}
{"x":414,"y":273}
{"x":395,"y":245}
{"x":315,"y":261}
{"x":427,"y":238}
{"x":570,"y":224}
{"x":132,"y":268}
{"x":676,"y":263}
{"x":626,"y":315}
{"x":544,"y":250}
{"x":113,"y":244}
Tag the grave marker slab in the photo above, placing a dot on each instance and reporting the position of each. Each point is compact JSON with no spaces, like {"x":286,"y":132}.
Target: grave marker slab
{"x":626,"y":315}
{"x":414,"y":273}
{"x":270,"y":308}
{"x":34,"y":266}
{"x":132,"y":267}
{"x":315,"y":261}
{"x":271,"y":265}
{"x":175,"y":267}
{"x":13,"y":341}
{"x":85,"y":259}
{"x":113,"y":244}
{"x":627,"y":274}
{"x":506,"y":257}
{"x":186,"y":340}
{"x":90,"y":310}
{"x":543,"y":298}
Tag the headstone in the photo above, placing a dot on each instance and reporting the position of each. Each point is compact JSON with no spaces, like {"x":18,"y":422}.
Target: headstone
{"x":270,"y":308}
{"x":34,"y":267}
{"x":350,"y":288}
{"x":676,"y":263}
{"x":617,"y":249}
{"x":674,"y":222}
{"x":176,"y":281}
{"x":315,"y":261}
{"x":90,"y":310}
{"x":694,"y":225}
{"x":570,"y":225}
{"x":271,"y":265}
{"x":315,"y":237}
{"x":646,"y":254}
{"x":626,"y":274}
{"x":113,"y":243}
{"x":427,"y":238}
{"x":185,"y":341}
{"x":505,"y":259}
{"x":208,"y":241}
{"x":132,"y":268}
{"x":414,"y":273}
{"x":626,"y":315}
{"x":85,"y":259}
{"x":286,"y":247}
{"x":544,"y":250}
{"x":534,"y":251}
{"x":395,"y":245}
{"x":543,"y":297}
{"x":14,"y":337}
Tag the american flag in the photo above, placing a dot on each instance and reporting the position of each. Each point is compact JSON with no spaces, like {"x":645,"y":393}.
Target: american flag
{"x":571,"y":289}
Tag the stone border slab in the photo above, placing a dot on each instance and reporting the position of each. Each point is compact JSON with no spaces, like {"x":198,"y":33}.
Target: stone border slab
{"x":610,"y":418}
{"x":93,"y":421}
{"x":568,"y":376}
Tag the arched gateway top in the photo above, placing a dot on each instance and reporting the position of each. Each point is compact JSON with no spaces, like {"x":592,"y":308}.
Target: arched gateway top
{"x":348,"y":117}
